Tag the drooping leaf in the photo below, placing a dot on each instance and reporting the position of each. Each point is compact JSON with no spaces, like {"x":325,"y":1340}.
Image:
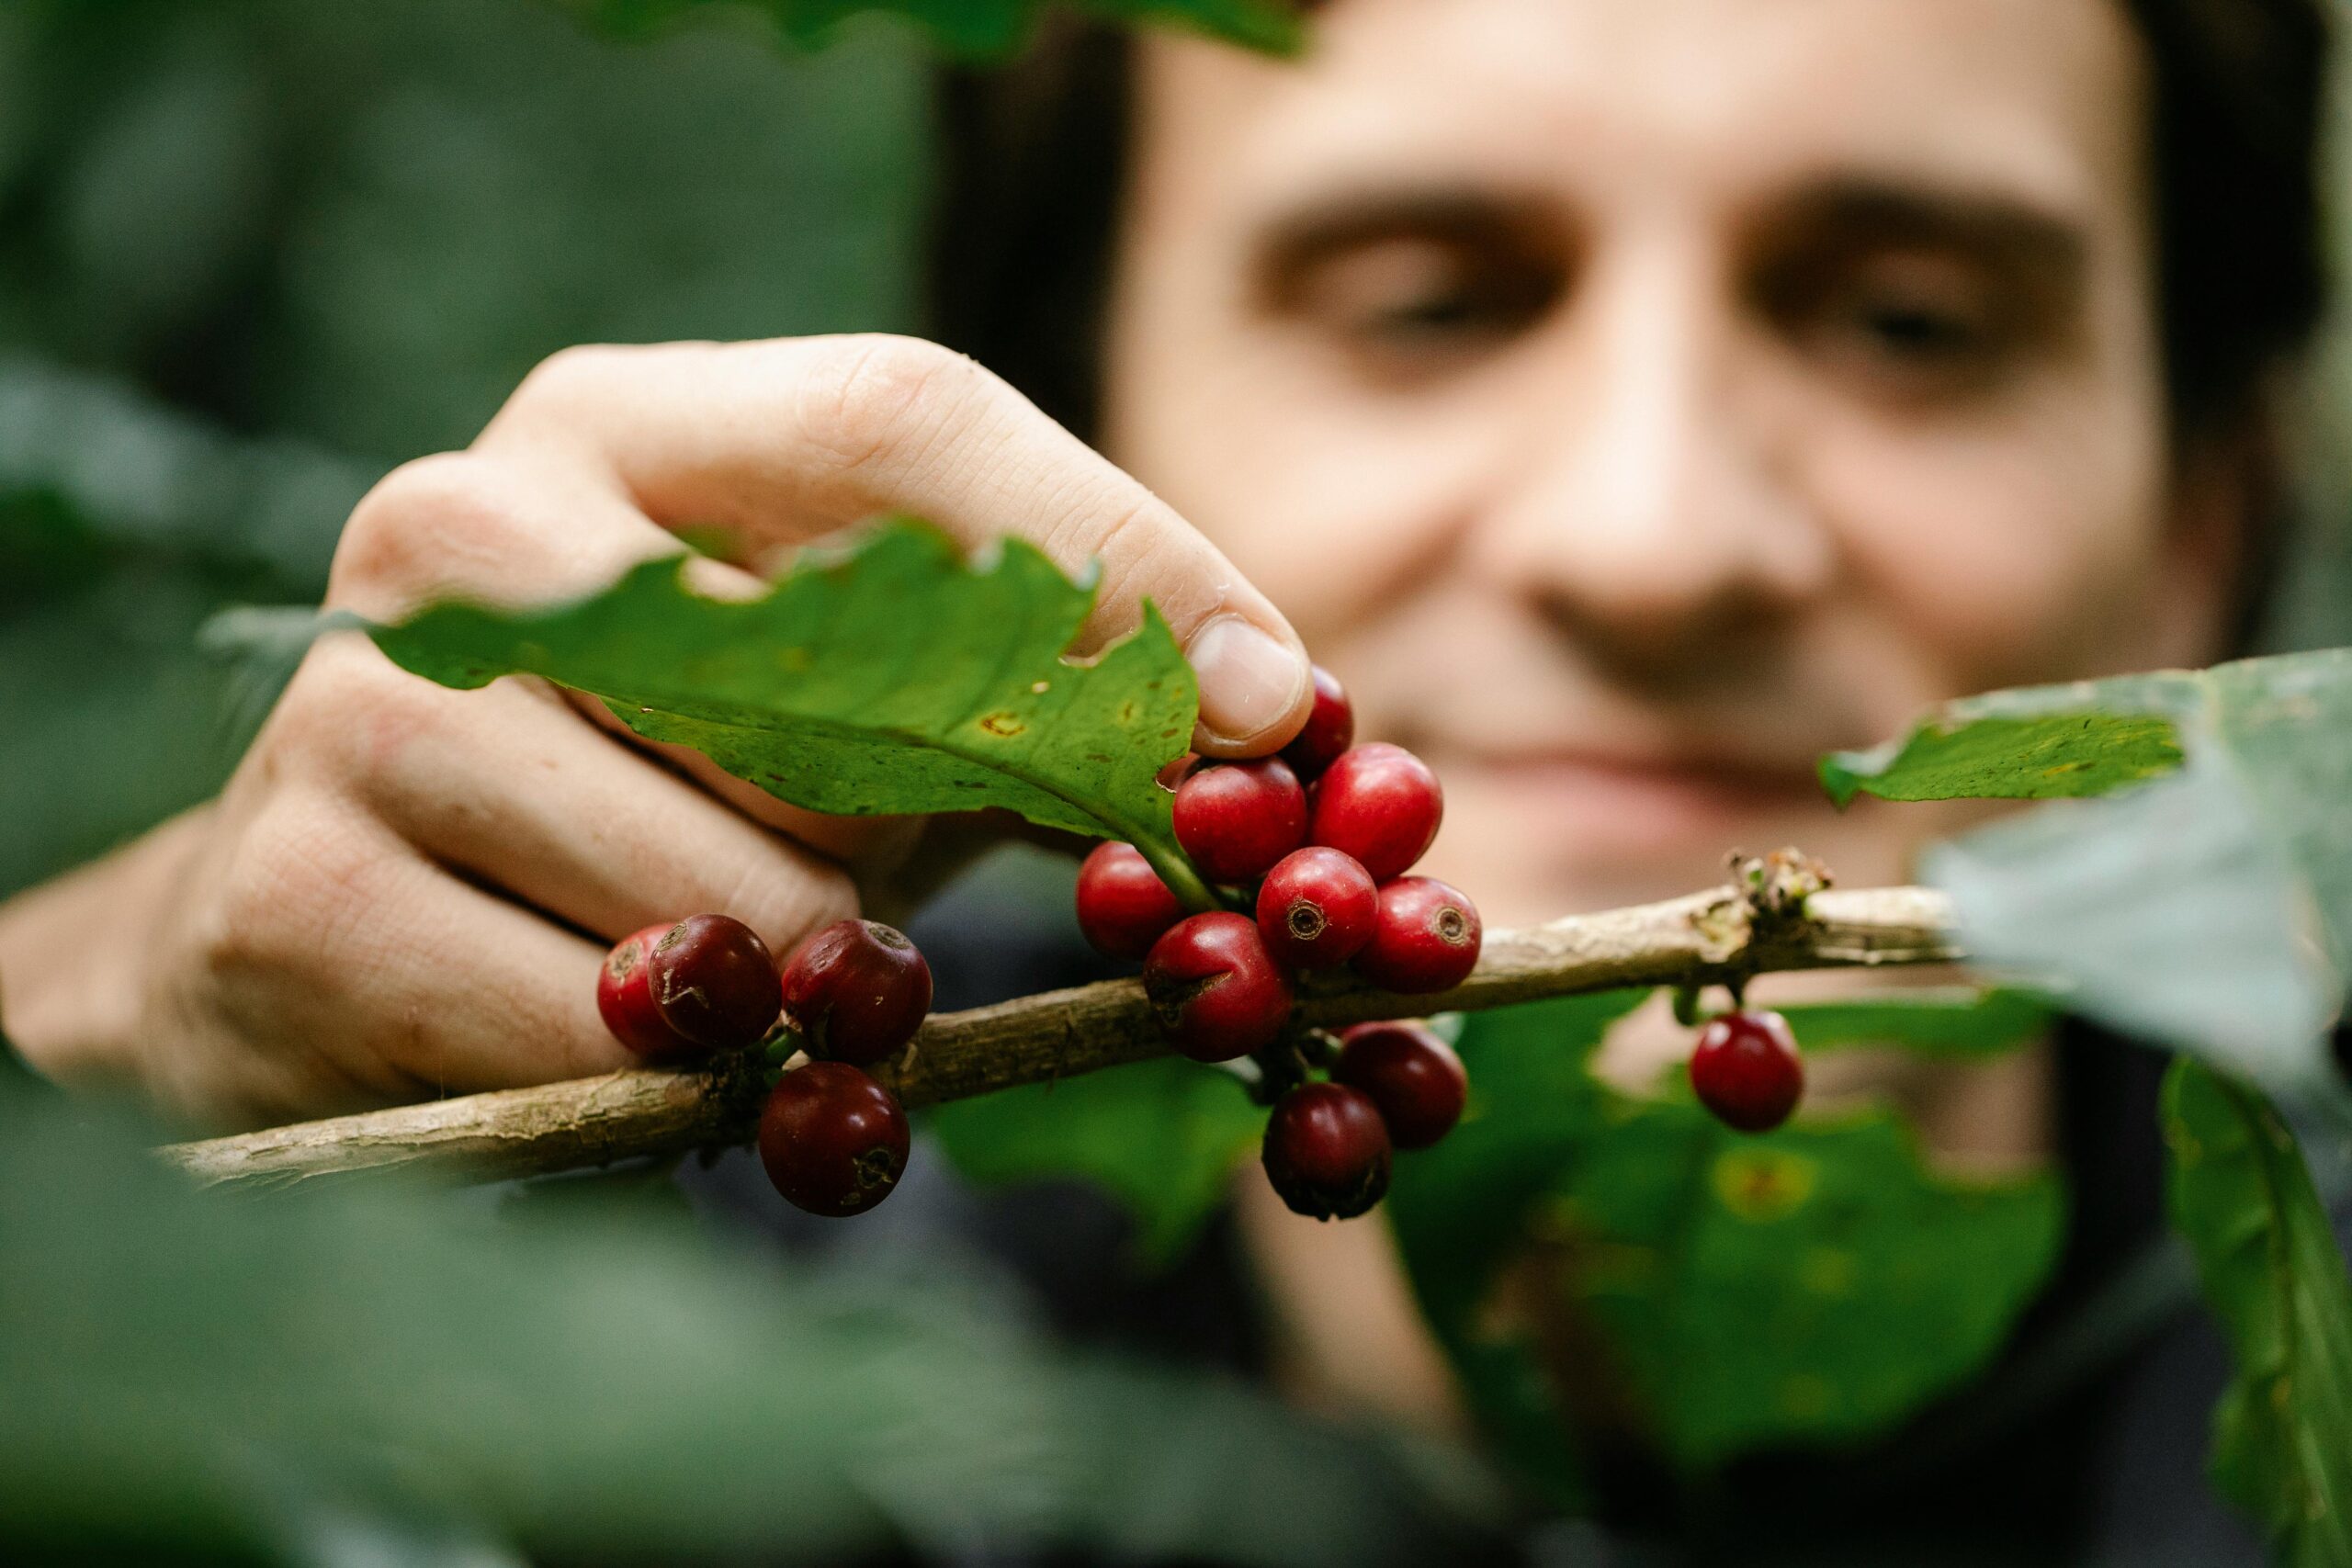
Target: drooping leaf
{"x":975,"y":27}
{"x":2167,"y":913}
{"x":2211,"y":906}
{"x":893,"y":677}
{"x":1162,"y":1137}
{"x":1585,"y":1256}
{"x":2274,"y":1276}
{"x":187,"y":1376}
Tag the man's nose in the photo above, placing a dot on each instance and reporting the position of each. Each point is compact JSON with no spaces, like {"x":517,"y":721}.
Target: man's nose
{"x":1654,"y":510}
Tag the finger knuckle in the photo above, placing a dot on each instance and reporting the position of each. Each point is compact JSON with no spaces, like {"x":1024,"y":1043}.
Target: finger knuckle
{"x":406,"y":531}
{"x":869,"y":395}
{"x":344,"y":690}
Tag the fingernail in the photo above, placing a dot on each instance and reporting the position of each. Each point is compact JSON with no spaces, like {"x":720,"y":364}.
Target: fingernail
{"x":1247,"y":679}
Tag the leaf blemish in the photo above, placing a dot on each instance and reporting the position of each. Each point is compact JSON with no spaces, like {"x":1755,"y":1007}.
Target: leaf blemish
{"x":1002,"y":723}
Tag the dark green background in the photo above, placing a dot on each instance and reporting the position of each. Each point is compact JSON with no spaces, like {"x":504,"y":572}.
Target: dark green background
{"x":253,"y":254}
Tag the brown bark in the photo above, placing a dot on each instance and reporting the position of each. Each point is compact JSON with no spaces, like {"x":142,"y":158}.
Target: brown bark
{"x":1702,"y":939}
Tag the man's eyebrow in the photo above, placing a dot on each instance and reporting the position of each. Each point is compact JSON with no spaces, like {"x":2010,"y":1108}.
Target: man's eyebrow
{"x":1287,"y":238}
{"x":2006,"y":229}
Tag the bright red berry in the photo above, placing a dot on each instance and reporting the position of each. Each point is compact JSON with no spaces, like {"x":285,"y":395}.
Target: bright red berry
{"x":856,"y":991}
{"x":1425,"y":938}
{"x":625,"y":997}
{"x":714,"y":982}
{"x":1330,"y":729}
{"x":1316,"y":908}
{"x":1411,"y":1074}
{"x":1123,"y":907}
{"x":1216,"y":990}
{"x":1382,"y":805}
{"x":1236,"y":820}
{"x":1745,"y":1069}
{"x":834,"y":1140}
{"x":1326,"y":1151}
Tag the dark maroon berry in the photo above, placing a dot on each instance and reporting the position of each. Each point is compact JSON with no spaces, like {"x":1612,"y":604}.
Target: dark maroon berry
{"x":715,"y":983}
{"x":1425,"y":938}
{"x":1326,"y":1151}
{"x":1316,"y":908}
{"x":625,"y":997}
{"x":1412,"y":1075}
{"x":1123,"y":907}
{"x":1236,"y":820}
{"x":1216,"y":990}
{"x":857,"y":991}
{"x":1382,"y":805}
{"x":1745,"y":1069}
{"x":834,"y":1142}
{"x":1330,"y":729}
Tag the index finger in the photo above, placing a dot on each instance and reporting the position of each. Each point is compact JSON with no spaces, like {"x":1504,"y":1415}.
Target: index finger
{"x":785,"y":440}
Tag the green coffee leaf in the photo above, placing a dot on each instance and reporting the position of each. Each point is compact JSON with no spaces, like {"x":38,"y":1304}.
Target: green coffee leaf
{"x":1162,"y":1137}
{"x":890,"y":679}
{"x":974,"y":26}
{"x":1808,"y":1287}
{"x":1975,"y":750}
{"x":2275,"y":1277}
{"x":2211,"y":906}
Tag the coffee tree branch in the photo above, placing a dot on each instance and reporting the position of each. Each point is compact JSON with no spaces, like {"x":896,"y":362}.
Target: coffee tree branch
{"x":1718,"y":936}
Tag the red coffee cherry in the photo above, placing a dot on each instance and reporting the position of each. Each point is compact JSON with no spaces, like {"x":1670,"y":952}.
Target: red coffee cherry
{"x":625,"y":997}
{"x":1382,"y":805}
{"x":834,"y":1140}
{"x":1326,"y":1151}
{"x":714,"y":982}
{"x":1123,"y":907}
{"x":1411,"y":1074}
{"x":856,"y":991}
{"x":1330,"y":729}
{"x":1215,"y":988}
{"x":1316,"y":908}
{"x":1745,"y":1069}
{"x":1425,"y":938}
{"x":1236,"y":820}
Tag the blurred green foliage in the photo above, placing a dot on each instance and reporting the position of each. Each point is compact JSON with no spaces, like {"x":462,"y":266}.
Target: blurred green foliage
{"x":258,"y":252}
{"x":1806,"y":1287}
{"x":323,"y":1376}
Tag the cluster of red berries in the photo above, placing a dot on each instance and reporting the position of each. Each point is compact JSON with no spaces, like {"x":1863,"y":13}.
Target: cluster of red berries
{"x":834,"y":1140}
{"x":1393,"y":1086}
{"x":1746,"y":1071}
{"x":1315,"y":846}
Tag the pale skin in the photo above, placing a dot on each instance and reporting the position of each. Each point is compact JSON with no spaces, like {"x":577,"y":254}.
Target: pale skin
{"x":1629,"y":399}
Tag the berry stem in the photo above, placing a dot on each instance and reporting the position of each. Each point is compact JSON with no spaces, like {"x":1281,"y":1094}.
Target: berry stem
{"x":1693,"y":940}
{"x":1169,"y":863}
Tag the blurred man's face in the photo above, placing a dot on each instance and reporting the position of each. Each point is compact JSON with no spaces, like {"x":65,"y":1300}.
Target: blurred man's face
{"x":1631,"y":399}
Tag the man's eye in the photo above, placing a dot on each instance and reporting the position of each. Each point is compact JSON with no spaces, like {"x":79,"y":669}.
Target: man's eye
{"x":1453,"y":310}
{"x":1407,"y":307}
{"x":1920,"y":331}
{"x":1909,"y":331}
